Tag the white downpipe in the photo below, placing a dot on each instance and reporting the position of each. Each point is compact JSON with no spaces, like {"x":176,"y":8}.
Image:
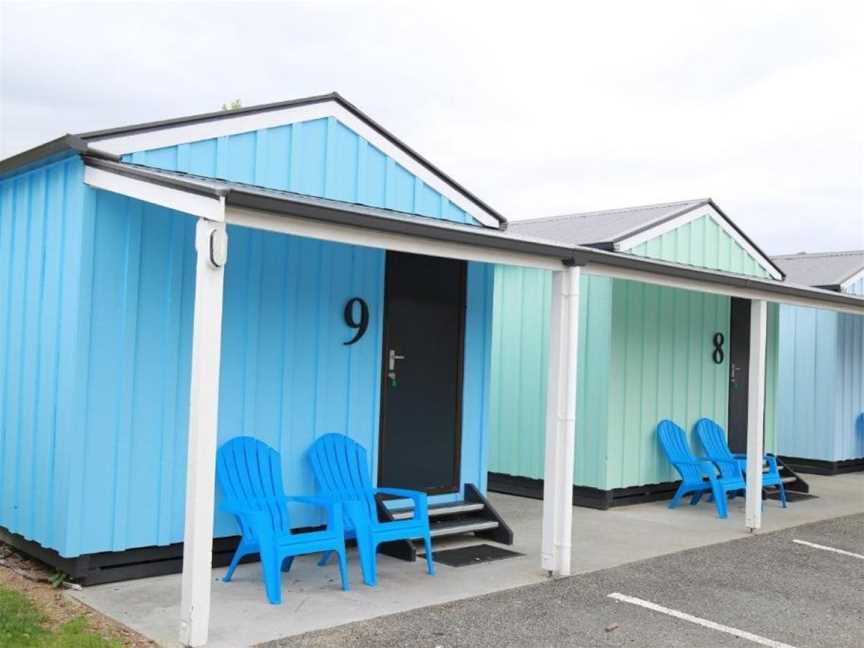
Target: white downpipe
{"x":756,"y":412}
{"x":561,"y":422}
{"x":203,"y":420}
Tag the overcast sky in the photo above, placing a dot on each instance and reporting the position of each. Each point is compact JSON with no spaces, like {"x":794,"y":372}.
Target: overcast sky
{"x":541,"y":111}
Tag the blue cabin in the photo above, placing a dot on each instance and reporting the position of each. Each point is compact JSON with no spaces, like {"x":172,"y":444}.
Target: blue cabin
{"x":821,"y":372}
{"x":381,"y":342}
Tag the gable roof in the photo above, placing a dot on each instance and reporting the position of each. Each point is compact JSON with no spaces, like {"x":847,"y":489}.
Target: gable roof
{"x":832,"y":270}
{"x":111,"y":142}
{"x":606,"y":227}
{"x":620,"y":229}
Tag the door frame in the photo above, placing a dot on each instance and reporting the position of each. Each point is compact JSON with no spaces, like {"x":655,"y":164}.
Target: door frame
{"x":456,"y":484}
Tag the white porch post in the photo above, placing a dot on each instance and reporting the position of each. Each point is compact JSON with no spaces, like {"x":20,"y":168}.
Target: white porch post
{"x":561,"y":422}
{"x":756,"y":412}
{"x":203,"y":419}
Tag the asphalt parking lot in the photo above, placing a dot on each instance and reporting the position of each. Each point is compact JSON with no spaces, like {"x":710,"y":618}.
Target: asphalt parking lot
{"x":800,"y":587}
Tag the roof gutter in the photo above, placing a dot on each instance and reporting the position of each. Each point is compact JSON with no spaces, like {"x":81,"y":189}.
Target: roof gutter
{"x":70,"y":144}
{"x":387,"y":221}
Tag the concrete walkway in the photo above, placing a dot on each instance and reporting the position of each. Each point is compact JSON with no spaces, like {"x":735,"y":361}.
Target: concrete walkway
{"x":771,"y":590}
{"x":241,"y":616}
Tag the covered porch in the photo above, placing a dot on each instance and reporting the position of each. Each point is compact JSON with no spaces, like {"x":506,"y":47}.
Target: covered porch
{"x":312,"y":600}
{"x":544,"y":531}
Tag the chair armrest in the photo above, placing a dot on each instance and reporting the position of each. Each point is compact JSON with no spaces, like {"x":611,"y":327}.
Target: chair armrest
{"x":768,"y":458}
{"x":421,"y":508}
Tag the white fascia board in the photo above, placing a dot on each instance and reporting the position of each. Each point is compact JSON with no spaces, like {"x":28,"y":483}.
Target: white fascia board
{"x":173,"y":135}
{"x":299,"y":226}
{"x":706,"y":210}
{"x":858,"y":276}
{"x":656,"y":279}
{"x":212,"y":209}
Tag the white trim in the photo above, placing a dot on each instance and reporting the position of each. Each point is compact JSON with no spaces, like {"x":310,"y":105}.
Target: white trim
{"x":858,"y":276}
{"x":656,"y":279}
{"x":842,"y":552}
{"x":181,"y":134}
{"x":756,"y":412}
{"x":178,"y":199}
{"x":705,"y":623}
{"x":679,"y":221}
{"x":561,"y":422}
{"x":299,"y":226}
{"x":203,"y":428}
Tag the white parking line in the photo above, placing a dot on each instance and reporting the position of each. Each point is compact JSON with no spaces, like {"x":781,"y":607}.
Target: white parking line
{"x":743,"y":634}
{"x":818,"y":546}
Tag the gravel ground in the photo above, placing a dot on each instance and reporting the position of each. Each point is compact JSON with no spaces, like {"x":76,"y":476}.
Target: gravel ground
{"x":764,"y":584}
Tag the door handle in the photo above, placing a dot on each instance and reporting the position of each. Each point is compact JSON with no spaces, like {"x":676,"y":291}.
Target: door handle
{"x":393,"y":357}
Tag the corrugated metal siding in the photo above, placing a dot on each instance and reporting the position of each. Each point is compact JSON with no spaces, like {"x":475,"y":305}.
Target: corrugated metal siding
{"x":807,"y":383}
{"x":661,"y":368}
{"x":519,"y":374}
{"x":849,"y":417}
{"x":704,"y":244}
{"x":286,"y":376}
{"x":321,"y":157}
{"x":41,"y":230}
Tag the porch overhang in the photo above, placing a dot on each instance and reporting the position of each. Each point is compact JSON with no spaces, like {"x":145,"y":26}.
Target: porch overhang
{"x":322,"y":218}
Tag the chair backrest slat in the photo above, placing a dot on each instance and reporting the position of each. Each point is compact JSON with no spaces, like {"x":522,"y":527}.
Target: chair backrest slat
{"x":673,"y":441}
{"x":247,"y":471}
{"x":341,"y":468}
{"x":713,"y":440}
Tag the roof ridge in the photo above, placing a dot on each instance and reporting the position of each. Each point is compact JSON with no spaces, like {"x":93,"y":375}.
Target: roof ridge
{"x":805,"y":255}
{"x":619,"y":210}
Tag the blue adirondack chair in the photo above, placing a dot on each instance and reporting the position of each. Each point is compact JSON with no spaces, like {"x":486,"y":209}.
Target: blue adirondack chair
{"x":342,"y":471}
{"x":249,"y":473}
{"x":713,"y":440}
{"x":698,"y":476}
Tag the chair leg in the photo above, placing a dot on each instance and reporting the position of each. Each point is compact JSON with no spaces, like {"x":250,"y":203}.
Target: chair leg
{"x":430,"y":564}
{"x":719,"y":500}
{"x":367,"y":561}
{"x":325,"y":558}
{"x":676,"y":499}
{"x":782,"y":490}
{"x":241,"y":551}
{"x":286,"y":564}
{"x":343,"y":568}
{"x":272,"y":575}
{"x":696,"y":497}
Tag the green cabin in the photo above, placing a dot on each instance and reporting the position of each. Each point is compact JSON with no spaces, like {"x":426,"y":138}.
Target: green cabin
{"x":646,"y":352}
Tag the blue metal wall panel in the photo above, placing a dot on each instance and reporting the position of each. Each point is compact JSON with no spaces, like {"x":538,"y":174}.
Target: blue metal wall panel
{"x":41,"y":220}
{"x":476,"y":374}
{"x":849,"y":413}
{"x":807,"y":383}
{"x":320,"y":157}
{"x":286,"y":376}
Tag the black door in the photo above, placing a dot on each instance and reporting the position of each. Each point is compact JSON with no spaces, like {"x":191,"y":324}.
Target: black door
{"x":739,"y":366}
{"x":421,"y":394}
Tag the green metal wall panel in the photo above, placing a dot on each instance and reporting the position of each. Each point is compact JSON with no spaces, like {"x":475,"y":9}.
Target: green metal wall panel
{"x":661,"y":368}
{"x":701,"y":243}
{"x":519,"y":373}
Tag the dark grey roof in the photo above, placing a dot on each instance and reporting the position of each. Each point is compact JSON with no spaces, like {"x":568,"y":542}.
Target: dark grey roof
{"x":74,"y":143}
{"x":823,"y":269}
{"x":604,"y":228}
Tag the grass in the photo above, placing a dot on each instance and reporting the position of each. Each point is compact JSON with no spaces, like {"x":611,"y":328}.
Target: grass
{"x":23,"y":626}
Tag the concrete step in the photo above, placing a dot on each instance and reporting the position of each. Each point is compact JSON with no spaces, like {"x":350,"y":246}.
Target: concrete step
{"x":457,"y":527}
{"x":440,"y":510}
